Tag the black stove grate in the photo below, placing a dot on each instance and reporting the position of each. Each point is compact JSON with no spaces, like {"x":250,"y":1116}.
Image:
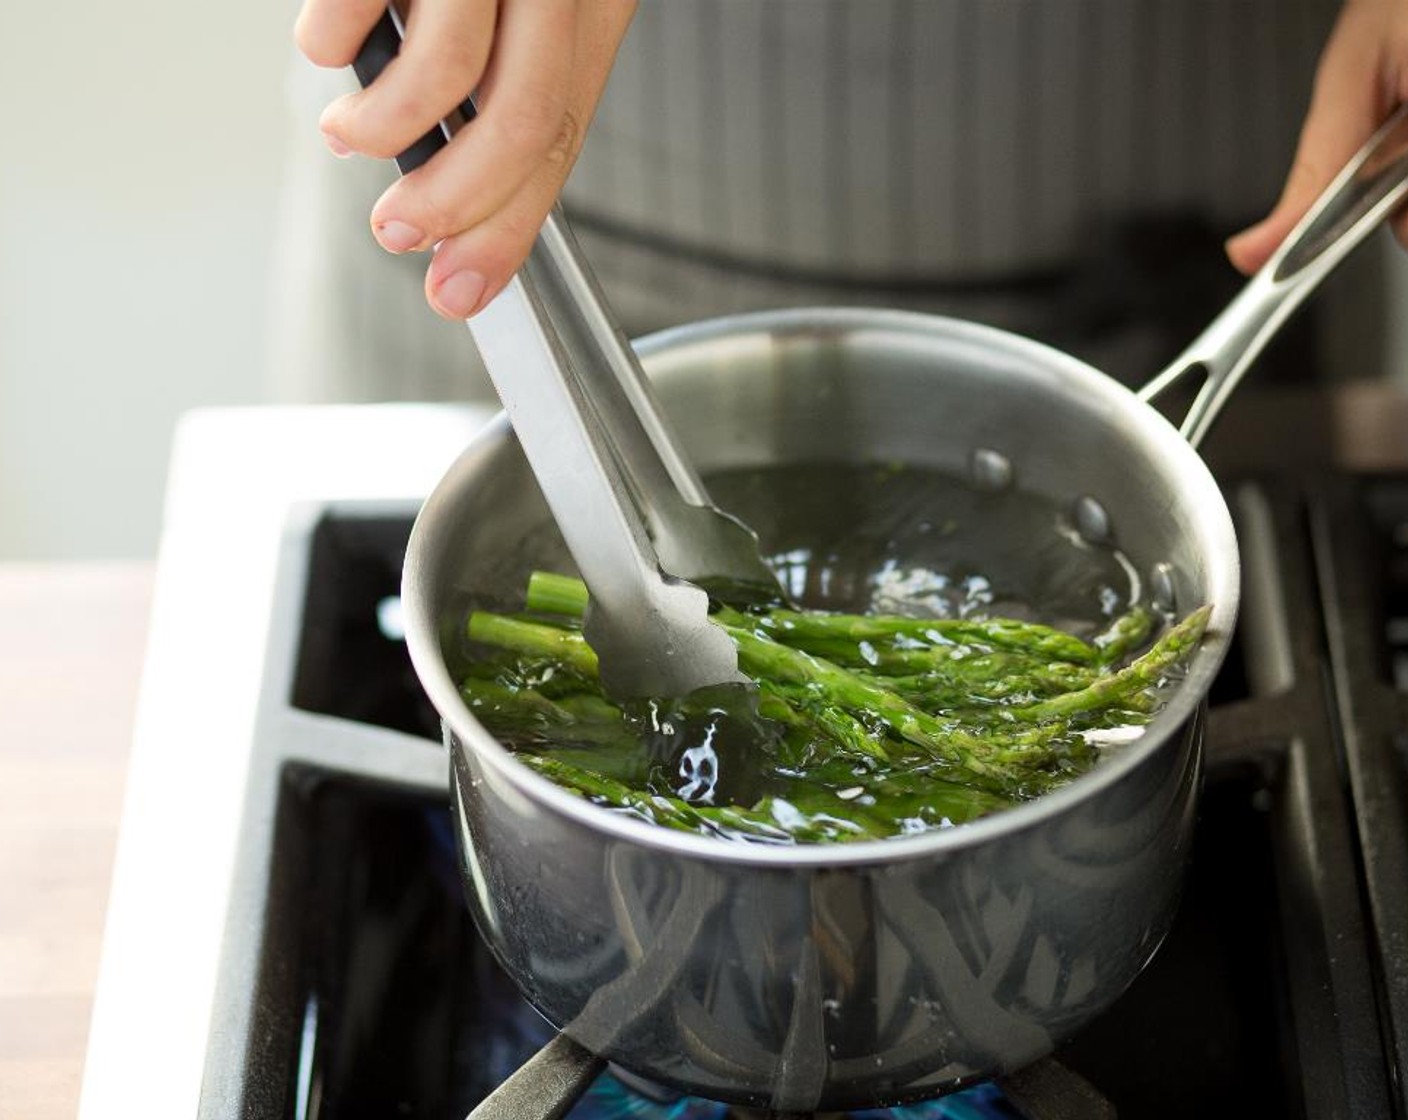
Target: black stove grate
{"x":1363,"y":565}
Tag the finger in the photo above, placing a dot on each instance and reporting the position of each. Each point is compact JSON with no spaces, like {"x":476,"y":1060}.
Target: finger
{"x":523,"y":123}
{"x":331,"y":32}
{"x":471,"y":268}
{"x":1347,"y":104}
{"x":441,"y":60}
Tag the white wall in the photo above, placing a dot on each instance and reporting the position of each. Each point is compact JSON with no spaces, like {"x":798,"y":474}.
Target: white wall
{"x":140,"y":156}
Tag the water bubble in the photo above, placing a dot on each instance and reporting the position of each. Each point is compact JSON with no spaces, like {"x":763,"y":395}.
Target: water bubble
{"x":990,"y":470}
{"x":1161,"y":586}
{"x":1092,"y":520}
{"x":977,"y":595}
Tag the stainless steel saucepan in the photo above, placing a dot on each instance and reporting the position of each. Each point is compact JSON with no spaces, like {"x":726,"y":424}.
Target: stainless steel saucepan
{"x":823,"y":977}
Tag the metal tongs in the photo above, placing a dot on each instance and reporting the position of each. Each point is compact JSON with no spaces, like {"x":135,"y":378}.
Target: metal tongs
{"x":634,"y":514}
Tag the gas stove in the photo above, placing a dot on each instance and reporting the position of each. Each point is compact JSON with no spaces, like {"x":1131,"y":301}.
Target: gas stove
{"x":287,"y":935}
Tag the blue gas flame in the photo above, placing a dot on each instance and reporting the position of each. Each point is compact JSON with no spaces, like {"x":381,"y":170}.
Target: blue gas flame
{"x":609,"y":1099}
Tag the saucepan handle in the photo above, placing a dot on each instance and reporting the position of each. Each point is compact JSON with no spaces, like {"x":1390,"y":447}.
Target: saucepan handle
{"x":1362,"y":195}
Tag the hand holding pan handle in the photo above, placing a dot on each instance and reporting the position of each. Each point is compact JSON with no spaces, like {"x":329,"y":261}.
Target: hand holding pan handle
{"x":1367,"y":191}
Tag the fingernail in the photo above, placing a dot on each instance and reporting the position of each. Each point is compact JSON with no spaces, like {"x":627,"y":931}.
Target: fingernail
{"x":459,"y":294}
{"x":398,"y":237}
{"x":336,"y":146}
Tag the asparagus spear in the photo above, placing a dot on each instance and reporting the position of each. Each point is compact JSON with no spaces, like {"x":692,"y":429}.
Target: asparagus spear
{"x":536,"y":639}
{"x":987,"y":762}
{"x":583,"y":719}
{"x":760,"y":823}
{"x":551,"y":593}
{"x":533,"y":638}
{"x":889,"y":807}
{"x":1006,"y":750}
{"x":1002,"y":633}
{"x":1144,"y":672}
{"x":542,"y":674}
{"x":947,"y":668}
{"x":848,"y":734}
{"x":1126,"y":633}
{"x":937,"y":697}
{"x":557,"y":594}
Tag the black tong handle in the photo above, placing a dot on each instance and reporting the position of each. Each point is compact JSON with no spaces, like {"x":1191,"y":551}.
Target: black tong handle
{"x":381,"y":46}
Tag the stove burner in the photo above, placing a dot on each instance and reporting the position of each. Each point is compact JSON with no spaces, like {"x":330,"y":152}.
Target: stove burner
{"x":367,"y":992}
{"x":417,"y":1020}
{"x":610,"y":1098}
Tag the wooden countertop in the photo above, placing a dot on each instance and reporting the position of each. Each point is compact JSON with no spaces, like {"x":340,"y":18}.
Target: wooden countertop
{"x":71,"y":645}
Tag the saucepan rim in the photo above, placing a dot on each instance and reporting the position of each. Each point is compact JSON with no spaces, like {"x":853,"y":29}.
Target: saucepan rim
{"x":1202,"y":496}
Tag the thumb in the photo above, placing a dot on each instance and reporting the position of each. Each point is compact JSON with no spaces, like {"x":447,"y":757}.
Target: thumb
{"x":1347,"y":104}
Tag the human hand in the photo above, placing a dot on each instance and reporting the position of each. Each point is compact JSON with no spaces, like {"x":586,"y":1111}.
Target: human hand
{"x":1362,"y":77}
{"x":537,"y":67}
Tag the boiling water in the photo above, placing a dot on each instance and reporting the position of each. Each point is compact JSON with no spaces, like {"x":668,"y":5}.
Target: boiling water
{"x":879,"y":540}
{"x":904,"y":540}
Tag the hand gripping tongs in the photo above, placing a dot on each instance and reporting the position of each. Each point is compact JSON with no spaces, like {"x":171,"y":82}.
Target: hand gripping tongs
{"x":634,"y":514}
